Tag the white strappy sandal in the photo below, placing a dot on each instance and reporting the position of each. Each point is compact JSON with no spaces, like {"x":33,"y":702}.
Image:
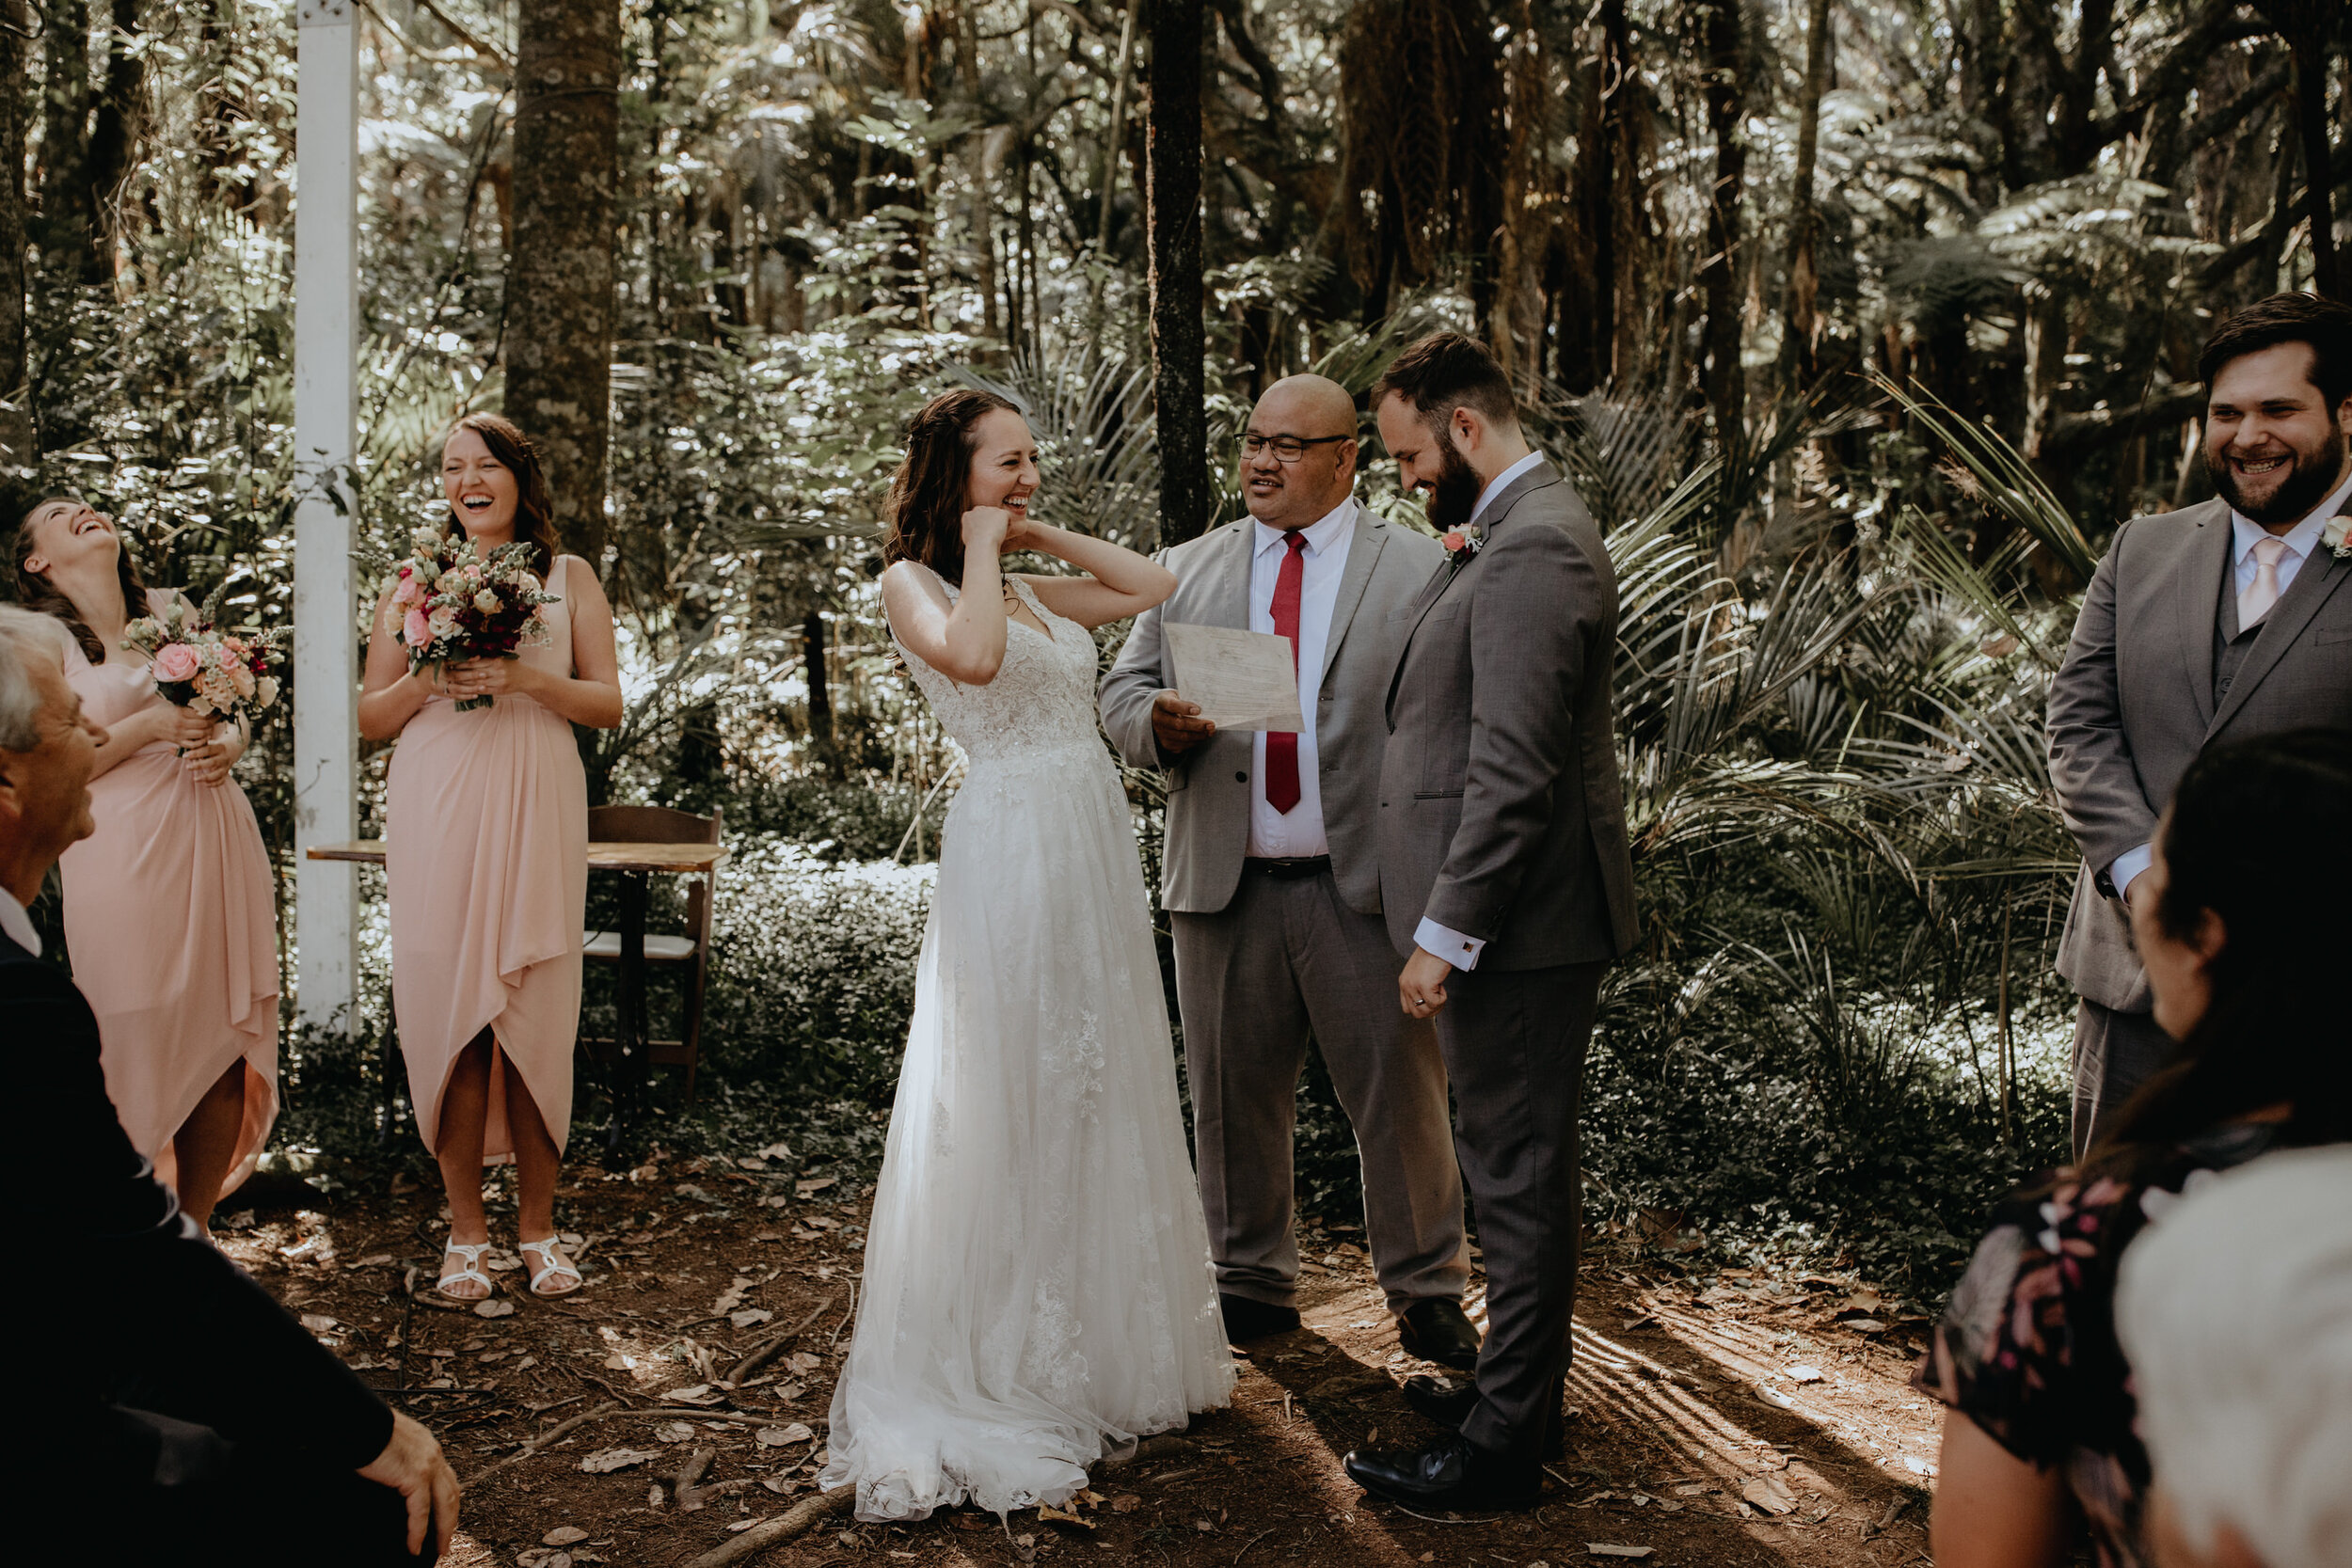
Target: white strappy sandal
{"x":469,"y":1254}
{"x":551,"y":1265}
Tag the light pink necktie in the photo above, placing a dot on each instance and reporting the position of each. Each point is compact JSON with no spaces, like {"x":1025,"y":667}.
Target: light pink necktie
{"x":2260,"y":594}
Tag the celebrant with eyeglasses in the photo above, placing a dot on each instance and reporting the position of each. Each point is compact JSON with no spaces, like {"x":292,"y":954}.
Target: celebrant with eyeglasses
{"x":1272,"y":886}
{"x":487,"y":833}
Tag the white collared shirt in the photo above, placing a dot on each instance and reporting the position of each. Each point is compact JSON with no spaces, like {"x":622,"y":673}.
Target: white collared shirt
{"x":17,"y":924}
{"x":2244,"y":533}
{"x":1447,"y":943}
{"x":1494,"y":486}
{"x":1299,"y":832}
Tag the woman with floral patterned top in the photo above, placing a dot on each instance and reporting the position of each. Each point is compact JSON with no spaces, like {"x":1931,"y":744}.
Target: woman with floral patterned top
{"x":2233,"y":922}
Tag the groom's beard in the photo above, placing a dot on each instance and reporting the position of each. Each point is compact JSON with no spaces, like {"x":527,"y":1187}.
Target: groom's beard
{"x":1454,"y":496}
{"x":2310,"y":474}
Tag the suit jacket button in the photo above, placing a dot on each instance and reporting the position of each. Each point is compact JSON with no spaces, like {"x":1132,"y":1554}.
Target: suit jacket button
{"x":1241,"y":778}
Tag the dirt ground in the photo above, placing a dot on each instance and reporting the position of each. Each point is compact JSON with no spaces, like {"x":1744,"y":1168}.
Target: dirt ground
{"x":1718,"y":1418}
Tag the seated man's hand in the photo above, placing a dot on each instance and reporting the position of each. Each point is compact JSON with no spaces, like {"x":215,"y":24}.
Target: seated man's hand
{"x":1174,"y":725}
{"x":412,"y":1465}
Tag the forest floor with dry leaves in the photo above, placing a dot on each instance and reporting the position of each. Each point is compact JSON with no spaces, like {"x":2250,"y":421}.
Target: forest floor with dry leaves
{"x":1719,"y":1418}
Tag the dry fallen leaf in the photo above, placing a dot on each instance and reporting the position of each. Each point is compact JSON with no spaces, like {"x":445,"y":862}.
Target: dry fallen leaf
{"x":1126,"y":1502}
{"x":1049,"y":1512}
{"x":749,"y":1316}
{"x":1866,"y":1325}
{"x":813,"y":1184}
{"x":1806,"y":1374}
{"x":562,"y":1535}
{"x":604,"y":1461}
{"x":1599,"y":1548}
{"x":318,"y":1322}
{"x":672,"y":1432}
{"x":1769,"y":1493}
{"x":737,"y":1526}
{"x":493,"y":1309}
{"x":777,"y":1437}
{"x":699,"y":1393}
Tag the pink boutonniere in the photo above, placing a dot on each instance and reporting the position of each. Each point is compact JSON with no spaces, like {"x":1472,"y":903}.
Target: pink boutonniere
{"x":1461,"y":545}
{"x":2333,"y":535}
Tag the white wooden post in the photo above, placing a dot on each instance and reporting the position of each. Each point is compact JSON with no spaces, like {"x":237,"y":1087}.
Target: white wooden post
{"x":326,"y":717}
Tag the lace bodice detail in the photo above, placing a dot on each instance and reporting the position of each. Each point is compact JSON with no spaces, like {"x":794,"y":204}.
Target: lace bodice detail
{"x":1041,"y":700}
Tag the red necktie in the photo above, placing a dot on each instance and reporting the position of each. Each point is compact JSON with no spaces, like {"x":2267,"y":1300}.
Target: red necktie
{"x":1281,"y":750}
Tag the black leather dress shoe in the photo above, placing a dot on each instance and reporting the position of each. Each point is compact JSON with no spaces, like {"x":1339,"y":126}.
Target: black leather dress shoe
{"x":1247,"y":1319}
{"x":1437,"y":1329}
{"x":1452,"y":1473}
{"x":1449,"y":1401}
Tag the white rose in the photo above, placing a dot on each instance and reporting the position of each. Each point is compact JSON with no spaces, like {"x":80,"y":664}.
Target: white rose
{"x":265,"y":690}
{"x":486,"y":602}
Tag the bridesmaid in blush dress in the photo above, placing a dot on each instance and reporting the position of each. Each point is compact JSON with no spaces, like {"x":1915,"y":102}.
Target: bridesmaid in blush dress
{"x":486,"y":859}
{"x":168,"y":912}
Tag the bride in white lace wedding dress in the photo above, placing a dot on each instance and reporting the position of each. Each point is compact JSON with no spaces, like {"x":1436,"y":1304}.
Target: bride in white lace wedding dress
{"x":1038,"y":1290}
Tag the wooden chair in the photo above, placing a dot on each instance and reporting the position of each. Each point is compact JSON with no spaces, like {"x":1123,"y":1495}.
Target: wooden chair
{"x":662,"y":825}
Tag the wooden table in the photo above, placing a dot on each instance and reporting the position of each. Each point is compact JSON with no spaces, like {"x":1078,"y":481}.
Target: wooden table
{"x":637,"y":862}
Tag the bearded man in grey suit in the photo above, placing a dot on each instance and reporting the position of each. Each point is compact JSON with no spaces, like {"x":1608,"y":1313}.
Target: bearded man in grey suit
{"x":1272,"y":885}
{"x":2217,"y":622}
{"x":1507,"y":882}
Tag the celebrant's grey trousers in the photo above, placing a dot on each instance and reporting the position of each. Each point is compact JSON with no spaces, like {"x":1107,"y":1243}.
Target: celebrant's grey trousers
{"x":1285,"y":960}
{"x":2114,"y":1053}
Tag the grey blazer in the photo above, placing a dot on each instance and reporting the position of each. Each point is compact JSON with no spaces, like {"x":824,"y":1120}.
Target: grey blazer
{"x":2133,"y":704}
{"x":1501,"y":816}
{"x":1208,"y":787}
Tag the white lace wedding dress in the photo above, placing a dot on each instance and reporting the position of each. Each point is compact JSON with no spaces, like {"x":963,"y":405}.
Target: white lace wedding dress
{"x":1038,"y":1290}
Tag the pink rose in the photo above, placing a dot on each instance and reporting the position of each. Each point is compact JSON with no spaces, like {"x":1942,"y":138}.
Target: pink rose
{"x":1452,"y":540}
{"x":175,"y":661}
{"x":409,"y":591}
{"x":415,"y":630}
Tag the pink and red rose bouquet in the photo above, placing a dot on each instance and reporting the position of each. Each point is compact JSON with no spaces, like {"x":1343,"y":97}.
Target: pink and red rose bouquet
{"x":454,"y":604}
{"x":223,"y":675}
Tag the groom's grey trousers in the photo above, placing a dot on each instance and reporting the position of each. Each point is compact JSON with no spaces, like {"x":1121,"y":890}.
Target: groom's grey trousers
{"x":1285,"y":959}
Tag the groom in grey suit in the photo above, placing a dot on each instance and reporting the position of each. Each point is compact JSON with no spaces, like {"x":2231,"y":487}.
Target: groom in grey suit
{"x":2217,"y":622}
{"x":1507,"y":882}
{"x":1273,"y":886}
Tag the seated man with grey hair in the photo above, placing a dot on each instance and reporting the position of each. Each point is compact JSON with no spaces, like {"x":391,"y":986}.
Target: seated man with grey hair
{"x":2235,"y":1310}
{"x":186,"y":1419}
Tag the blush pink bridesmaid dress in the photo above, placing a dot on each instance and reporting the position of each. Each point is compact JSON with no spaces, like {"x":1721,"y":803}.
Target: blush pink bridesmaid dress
{"x":486,"y":857}
{"x":171,"y":924}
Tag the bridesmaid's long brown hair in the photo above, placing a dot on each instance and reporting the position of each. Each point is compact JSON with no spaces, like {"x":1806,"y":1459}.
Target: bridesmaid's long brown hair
{"x":37,"y":592}
{"x":922,"y":519}
{"x":534,"y":512}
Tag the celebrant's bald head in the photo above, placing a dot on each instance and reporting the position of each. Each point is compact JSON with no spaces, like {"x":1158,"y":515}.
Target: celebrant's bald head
{"x":1315,"y":418}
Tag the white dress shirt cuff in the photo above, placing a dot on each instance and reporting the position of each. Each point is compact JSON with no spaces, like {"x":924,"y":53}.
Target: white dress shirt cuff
{"x":2128,"y":865}
{"x":1452,"y":947}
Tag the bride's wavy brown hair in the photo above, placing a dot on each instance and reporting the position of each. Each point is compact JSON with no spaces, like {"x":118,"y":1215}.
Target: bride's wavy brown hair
{"x":922,"y":519}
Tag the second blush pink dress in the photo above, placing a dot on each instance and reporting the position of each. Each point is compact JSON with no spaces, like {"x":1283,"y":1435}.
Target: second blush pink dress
{"x":172,"y":927}
{"x":486,"y":858}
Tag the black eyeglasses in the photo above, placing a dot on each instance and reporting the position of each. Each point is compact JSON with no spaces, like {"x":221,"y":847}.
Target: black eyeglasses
{"x":1287,"y":449}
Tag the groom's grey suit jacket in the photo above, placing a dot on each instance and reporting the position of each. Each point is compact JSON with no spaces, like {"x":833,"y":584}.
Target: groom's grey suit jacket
{"x":1501,"y":816}
{"x":2140,"y":695}
{"x":1208,"y":787}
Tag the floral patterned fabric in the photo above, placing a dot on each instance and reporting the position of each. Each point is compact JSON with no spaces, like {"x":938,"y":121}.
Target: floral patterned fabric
{"x":2027,"y":1349}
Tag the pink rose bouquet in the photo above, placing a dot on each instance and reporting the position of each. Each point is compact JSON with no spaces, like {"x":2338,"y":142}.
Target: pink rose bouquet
{"x":451,"y":604}
{"x":197,"y":665}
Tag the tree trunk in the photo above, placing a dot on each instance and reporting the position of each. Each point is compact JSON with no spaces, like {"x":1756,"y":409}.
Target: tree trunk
{"x":1178,"y":330}
{"x":1726,"y":102}
{"x":1800,"y":322}
{"x":114,"y":131}
{"x":560,"y":278}
{"x":68,"y":210}
{"x":2306,"y":30}
{"x":16,"y":424}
